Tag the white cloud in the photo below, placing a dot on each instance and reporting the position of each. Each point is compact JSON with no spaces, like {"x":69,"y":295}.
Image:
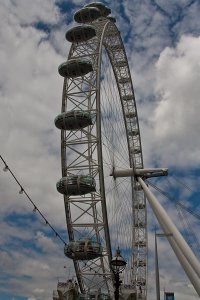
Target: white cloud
{"x":45,"y":243}
{"x":28,"y":12}
{"x":28,"y":106}
{"x":176,"y":117}
{"x":31,"y":91}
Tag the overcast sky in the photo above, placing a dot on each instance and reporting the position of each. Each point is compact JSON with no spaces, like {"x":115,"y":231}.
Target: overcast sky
{"x":162,"y":41}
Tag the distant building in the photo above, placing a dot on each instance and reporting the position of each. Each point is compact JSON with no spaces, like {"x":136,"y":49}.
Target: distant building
{"x":55,"y":295}
{"x":169,"y":296}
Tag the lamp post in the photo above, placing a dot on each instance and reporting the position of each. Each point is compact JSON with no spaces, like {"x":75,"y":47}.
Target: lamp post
{"x":117,"y":265}
{"x":156,"y":263}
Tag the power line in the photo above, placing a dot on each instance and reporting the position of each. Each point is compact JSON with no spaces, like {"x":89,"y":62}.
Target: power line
{"x":195,"y":214}
{"x":35,"y":208}
{"x":181,"y":209}
{"x":181,"y":183}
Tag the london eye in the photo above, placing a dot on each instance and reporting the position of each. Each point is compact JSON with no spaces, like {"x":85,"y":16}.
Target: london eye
{"x":101,"y":159}
{"x":100,"y":132}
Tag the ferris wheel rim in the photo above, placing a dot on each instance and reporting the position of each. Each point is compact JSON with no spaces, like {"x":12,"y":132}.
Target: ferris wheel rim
{"x":63,"y":159}
{"x":141,"y":156}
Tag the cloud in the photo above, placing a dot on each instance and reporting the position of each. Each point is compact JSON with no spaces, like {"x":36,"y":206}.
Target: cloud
{"x":45,"y":243}
{"x":30,"y":90}
{"x":26,"y":12}
{"x":175,"y":119}
{"x":166,"y":78}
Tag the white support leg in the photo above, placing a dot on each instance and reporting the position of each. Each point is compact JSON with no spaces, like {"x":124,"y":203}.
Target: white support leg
{"x":167,"y":224}
{"x":192,"y":275}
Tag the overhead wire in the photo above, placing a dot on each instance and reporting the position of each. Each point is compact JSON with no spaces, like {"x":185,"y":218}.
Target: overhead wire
{"x":189,"y":232}
{"x":181,"y":183}
{"x":195,"y":214}
{"x":35,"y":208}
{"x":181,"y":208}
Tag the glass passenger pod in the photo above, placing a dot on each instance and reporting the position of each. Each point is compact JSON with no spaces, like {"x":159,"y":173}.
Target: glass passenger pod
{"x":73,"y":120}
{"x":112,"y":19}
{"x":83,"y":250}
{"x":76,"y":185}
{"x":105,"y":11}
{"x":87,"y":15}
{"x":75,"y":68}
{"x":80,"y":33}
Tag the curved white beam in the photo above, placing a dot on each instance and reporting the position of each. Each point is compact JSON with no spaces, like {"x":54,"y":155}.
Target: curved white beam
{"x":167,"y":225}
{"x":193,"y":277}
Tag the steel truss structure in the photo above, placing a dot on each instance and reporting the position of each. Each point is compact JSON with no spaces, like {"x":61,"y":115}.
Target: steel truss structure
{"x":113,"y":140}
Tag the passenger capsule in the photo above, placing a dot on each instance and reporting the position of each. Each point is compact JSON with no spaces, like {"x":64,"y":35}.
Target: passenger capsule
{"x":105,"y":11}
{"x":75,"y":68}
{"x":83,"y":250}
{"x":76,"y":185}
{"x":112,"y":19}
{"x":133,"y":132}
{"x":73,"y":120}
{"x":87,"y":15}
{"x":80,"y":33}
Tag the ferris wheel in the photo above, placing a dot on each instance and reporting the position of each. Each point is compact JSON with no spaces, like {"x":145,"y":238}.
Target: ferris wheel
{"x":99,"y":135}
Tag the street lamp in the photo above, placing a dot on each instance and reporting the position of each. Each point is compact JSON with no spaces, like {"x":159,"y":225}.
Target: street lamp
{"x":156,"y":263}
{"x":117,"y":265}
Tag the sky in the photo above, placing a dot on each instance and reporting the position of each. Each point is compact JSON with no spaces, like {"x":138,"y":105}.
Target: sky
{"x":162,"y":41}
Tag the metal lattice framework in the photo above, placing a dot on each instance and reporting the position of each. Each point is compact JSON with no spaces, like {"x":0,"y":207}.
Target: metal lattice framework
{"x":114,"y":215}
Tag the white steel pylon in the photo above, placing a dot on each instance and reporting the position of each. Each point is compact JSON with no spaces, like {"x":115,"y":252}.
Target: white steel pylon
{"x":184,"y":253}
